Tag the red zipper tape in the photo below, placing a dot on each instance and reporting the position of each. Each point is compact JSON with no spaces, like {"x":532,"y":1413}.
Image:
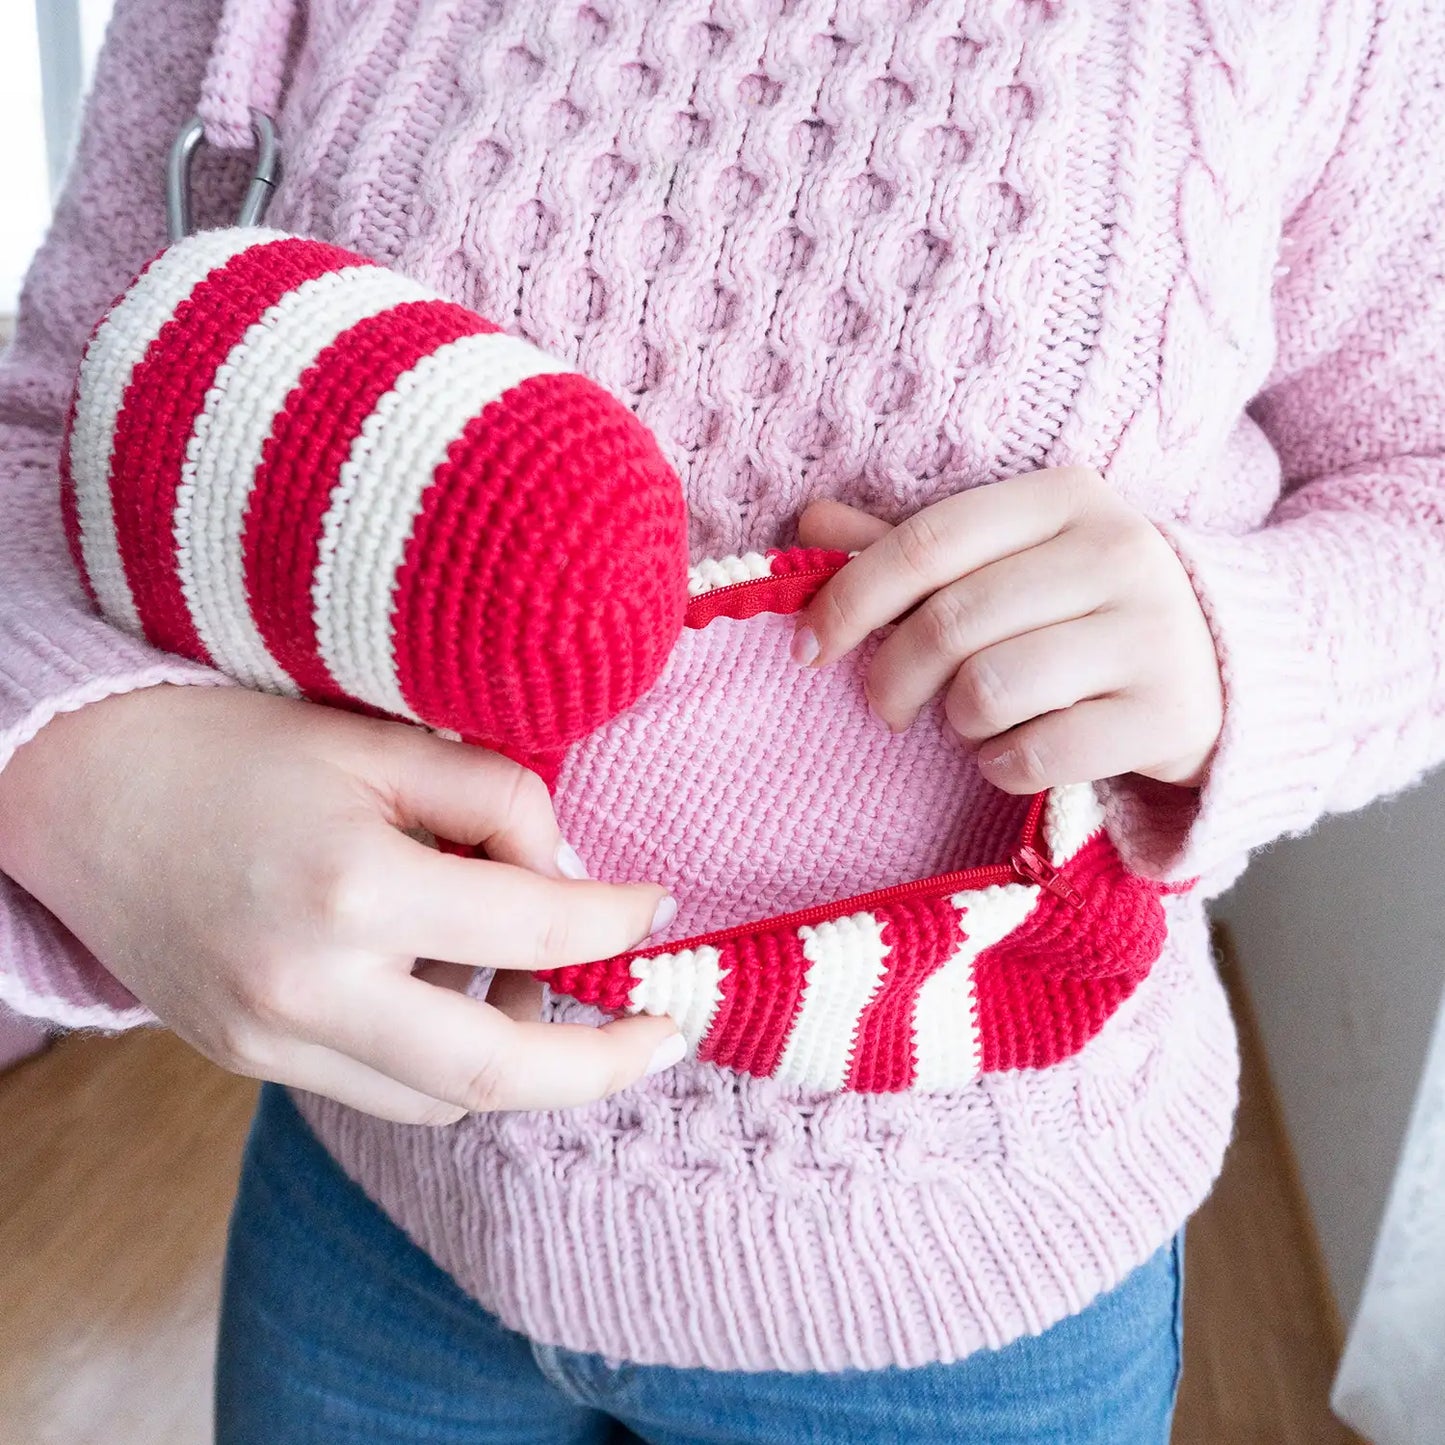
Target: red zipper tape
{"x":790,"y":592}
{"x":1025,"y":865}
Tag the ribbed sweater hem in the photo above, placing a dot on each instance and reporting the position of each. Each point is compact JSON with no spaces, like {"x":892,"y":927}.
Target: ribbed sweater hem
{"x":858,"y":1270}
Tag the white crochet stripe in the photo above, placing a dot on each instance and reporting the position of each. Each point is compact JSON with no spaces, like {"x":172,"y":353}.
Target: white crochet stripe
{"x":686,"y":986}
{"x":846,"y":966}
{"x":714,"y":572}
{"x":378,"y":496}
{"x":1072,"y":815}
{"x":945,"y":1018}
{"x":120,"y":344}
{"x":225,"y":447}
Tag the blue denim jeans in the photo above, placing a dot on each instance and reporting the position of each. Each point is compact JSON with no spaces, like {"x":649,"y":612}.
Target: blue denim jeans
{"x":336,"y":1328}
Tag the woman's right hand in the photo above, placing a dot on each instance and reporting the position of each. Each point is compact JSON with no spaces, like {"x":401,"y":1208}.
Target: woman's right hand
{"x":240,"y":863}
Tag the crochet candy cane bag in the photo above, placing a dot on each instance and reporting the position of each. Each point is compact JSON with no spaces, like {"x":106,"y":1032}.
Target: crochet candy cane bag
{"x":319,"y":477}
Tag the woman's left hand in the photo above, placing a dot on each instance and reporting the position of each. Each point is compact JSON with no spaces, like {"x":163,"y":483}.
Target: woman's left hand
{"x":1060,"y":626}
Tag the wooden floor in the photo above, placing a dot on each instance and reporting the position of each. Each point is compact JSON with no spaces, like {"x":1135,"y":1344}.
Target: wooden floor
{"x":117,"y":1162}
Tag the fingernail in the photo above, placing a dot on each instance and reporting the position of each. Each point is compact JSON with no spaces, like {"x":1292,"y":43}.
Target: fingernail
{"x":805,"y":645}
{"x":666,"y":912}
{"x":669,"y":1052}
{"x":568,"y":862}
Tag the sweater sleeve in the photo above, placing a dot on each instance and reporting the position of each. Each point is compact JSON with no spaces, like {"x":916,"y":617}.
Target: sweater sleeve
{"x":56,"y":654}
{"x":1328,"y":620}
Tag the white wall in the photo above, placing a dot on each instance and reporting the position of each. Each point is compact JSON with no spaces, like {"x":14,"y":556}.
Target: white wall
{"x":1341,"y":938}
{"x":27,"y":186}
{"x":28,"y":167}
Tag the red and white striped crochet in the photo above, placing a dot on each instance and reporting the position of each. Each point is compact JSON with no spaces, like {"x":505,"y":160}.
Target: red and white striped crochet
{"x":319,"y":477}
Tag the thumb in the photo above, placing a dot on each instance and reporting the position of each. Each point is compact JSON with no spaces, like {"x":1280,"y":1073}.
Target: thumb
{"x":839,"y":527}
{"x":474,"y":797}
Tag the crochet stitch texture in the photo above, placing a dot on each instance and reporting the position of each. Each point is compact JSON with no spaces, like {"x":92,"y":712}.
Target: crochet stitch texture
{"x":289,"y":464}
{"x":328,"y":482}
{"x":880,"y":252}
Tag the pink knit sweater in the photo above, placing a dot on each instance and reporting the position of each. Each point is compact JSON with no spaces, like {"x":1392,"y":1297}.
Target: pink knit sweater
{"x":881,"y":252}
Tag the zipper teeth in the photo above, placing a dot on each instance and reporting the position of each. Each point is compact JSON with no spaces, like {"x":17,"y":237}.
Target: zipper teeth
{"x":956,"y":882}
{"x":772,"y":581}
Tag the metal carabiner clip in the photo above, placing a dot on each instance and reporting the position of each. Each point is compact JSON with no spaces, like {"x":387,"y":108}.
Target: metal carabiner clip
{"x":264,"y":175}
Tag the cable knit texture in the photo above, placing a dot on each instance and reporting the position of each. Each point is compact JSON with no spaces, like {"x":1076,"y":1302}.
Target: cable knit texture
{"x":882,"y":252}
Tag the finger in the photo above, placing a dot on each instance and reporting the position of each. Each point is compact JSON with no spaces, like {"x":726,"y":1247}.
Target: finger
{"x":839,"y":527}
{"x":408,"y":899}
{"x":932,"y":548}
{"x":1040,"y":587}
{"x":473,"y":796}
{"x":1040,"y":672}
{"x":1097,"y":738}
{"x":465,"y":1052}
{"x":320,"y":1070}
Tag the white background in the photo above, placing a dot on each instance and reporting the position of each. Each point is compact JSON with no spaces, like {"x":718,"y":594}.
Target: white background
{"x":25,"y":203}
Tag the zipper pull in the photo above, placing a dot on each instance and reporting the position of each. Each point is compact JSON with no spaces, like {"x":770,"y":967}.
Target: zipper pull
{"x":1031,"y":865}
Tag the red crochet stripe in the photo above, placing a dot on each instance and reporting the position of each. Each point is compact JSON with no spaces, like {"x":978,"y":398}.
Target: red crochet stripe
{"x":1046,"y":990}
{"x":158,"y":414}
{"x":608,"y":983}
{"x":786,"y":561}
{"x":762,"y":989}
{"x":921,"y":935}
{"x":600,"y":546}
{"x":311,"y":439}
{"x":1029,"y":1020}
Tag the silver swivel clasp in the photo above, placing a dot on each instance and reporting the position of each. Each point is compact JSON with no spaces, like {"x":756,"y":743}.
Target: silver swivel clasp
{"x":265,"y":174}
